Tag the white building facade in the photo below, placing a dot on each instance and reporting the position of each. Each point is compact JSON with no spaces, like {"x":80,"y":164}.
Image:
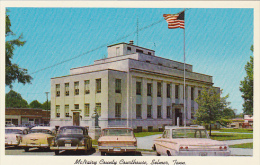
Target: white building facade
{"x":132,"y":87}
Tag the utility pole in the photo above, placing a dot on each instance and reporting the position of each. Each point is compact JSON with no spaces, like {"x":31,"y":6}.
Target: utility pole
{"x":47,"y":105}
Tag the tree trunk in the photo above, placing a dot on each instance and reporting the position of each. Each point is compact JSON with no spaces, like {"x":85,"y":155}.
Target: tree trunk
{"x":210,"y":129}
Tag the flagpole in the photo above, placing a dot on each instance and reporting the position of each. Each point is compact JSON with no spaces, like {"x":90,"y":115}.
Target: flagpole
{"x":184,"y":77}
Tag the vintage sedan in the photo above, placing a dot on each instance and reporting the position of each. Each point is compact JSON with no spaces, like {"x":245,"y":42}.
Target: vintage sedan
{"x":117,"y":140}
{"x":72,"y":138}
{"x":37,"y":137}
{"x":189,"y":141}
{"x":11,"y":134}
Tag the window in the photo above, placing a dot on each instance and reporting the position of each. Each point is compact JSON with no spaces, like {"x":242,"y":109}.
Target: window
{"x":168,"y":90}
{"x":98,"y":108}
{"x":67,"y":89}
{"x":76,"y":106}
{"x":160,"y":64}
{"x":149,"y":111}
{"x":118,"y":85}
{"x":87,"y":90}
{"x":149,"y":89}
{"x":192,"y":93}
{"x":118,"y":110}
{"x":192,"y":112}
{"x":128,"y":50}
{"x":148,"y":61}
{"x":67,"y":111}
{"x":159,"y":111}
{"x":138,"y":111}
{"x":149,"y":53}
{"x":98,"y":85}
{"x":57,"y":111}
{"x":175,"y":67}
{"x":159,"y":89}
{"x":76,"y":88}
{"x":199,"y":92}
{"x":139,"y":51}
{"x":168,"y":111}
{"x":138,"y":88}
{"x":57,"y":90}
{"x":176,"y":91}
{"x":86,"y":110}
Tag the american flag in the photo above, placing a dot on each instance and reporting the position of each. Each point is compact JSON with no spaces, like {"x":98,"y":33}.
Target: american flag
{"x":175,"y":20}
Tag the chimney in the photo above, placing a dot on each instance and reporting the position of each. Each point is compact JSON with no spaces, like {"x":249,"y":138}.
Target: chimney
{"x":131,"y":42}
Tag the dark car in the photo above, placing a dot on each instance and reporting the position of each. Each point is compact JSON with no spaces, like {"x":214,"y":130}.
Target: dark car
{"x":72,"y":138}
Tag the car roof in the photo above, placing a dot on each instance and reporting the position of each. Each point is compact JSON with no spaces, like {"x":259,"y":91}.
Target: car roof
{"x":44,"y":127}
{"x":21,"y":128}
{"x":187,"y":127}
{"x":73,"y":127}
{"x":117,"y":128}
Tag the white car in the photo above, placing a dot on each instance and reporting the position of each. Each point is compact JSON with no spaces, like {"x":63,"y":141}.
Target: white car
{"x":11,"y":134}
{"x":189,"y":141}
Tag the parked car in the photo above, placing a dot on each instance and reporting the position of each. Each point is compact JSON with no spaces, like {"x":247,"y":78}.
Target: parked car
{"x":11,"y":134}
{"x":189,"y":141}
{"x":117,"y":140}
{"x":72,"y":138}
{"x":37,"y":137}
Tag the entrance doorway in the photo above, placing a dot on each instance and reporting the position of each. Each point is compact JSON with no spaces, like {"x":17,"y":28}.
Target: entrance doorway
{"x":178,"y":114}
{"x":76,"y":118}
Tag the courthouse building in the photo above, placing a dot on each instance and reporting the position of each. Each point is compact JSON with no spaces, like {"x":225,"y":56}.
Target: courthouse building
{"x":131,"y":87}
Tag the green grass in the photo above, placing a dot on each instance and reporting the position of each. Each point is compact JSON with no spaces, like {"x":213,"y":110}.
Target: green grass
{"x":245,"y":145}
{"x":229,"y":136}
{"x":143,"y":134}
{"x":138,"y":149}
{"x":237,"y":130}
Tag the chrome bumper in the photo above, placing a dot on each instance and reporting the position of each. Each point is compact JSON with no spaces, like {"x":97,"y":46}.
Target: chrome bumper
{"x":34,"y":145}
{"x":67,"y":148}
{"x":116,"y":149}
{"x":204,"y":153}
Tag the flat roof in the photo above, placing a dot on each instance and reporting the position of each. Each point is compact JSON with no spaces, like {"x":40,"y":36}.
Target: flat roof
{"x":130,"y":45}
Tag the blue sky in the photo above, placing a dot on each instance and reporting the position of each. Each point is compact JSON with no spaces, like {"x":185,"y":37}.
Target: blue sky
{"x":217,"y":42}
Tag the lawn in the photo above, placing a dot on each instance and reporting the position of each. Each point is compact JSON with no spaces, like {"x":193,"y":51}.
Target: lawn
{"x":142,"y":134}
{"x":230,"y":136}
{"x":245,"y":145}
{"x":236,"y":130}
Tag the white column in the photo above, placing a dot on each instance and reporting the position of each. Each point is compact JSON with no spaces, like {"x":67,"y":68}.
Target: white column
{"x":188,"y":113}
{"x":154,"y":97}
{"x":172,"y":92}
{"x":144,"y":98}
{"x":134,"y":98}
{"x":181,"y":94}
{"x":164,"y":100}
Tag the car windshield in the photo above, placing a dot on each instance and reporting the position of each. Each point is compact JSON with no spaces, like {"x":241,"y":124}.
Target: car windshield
{"x":40,"y":131}
{"x":71,"y":131}
{"x":117,"y":132}
{"x":189,"y":133}
{"x":15,"y":131}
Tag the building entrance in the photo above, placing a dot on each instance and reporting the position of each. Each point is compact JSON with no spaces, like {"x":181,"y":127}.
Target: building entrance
{"x":178,"y":114}
{"x":76,"y":118}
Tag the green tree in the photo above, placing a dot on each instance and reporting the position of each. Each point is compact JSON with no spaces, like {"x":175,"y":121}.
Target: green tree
{"x":247,"y":86}
{"x":44,"y":105}
{"x":12,"y":71}
{"x":212,"y":108}
{"x":15,"y":100}
{"x":35,"y":104}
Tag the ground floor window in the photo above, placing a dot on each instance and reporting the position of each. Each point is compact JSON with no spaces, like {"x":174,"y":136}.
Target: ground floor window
{"x":149,"y":111}
{"x":138,"y":111}
{"x":98,"y":108}
{"x":118,"y":110}
{"x":159,"y":111}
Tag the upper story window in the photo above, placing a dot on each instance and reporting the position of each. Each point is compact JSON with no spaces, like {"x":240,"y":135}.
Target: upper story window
{"x":57,"y":90}
{"x":159,"y":111}
{"x":176,"y":91}
{"x":76,"y":106}
{"x":139,"y":51}
{"x":160,"y":64}
{"x":149,"y":89}
{"x":138,"y":88}
{"x":149,"y":53}
{"x":87,"y":109}
{"x":149,"y":111}
{"x":118,"y":86}
{"x":168,"y":90}
{"x":87,"y":90}
{"x":192,"y":93}
{"x":128,"y":50}
{"x":98,"y":108}
{"x":67,"y":89}
{"x":138,"y":111}
{"x":168,"y":111}
{"x":148,"y":61}
{"x":76,"y":88}
{"x":159,"y":89}
{"x":98,"y":85}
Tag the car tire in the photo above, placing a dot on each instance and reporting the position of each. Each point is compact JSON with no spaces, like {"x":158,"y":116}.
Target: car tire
{"x":157,"y":154}
{"x":103,"y":153}
{"x":57,"y":152}
{"x":26,"y":149}
{"x":169,"y":153}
